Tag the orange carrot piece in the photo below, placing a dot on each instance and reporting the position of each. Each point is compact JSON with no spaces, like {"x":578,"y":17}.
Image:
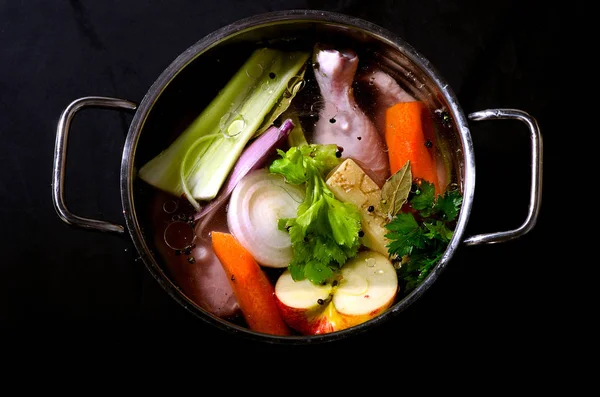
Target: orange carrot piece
{"x":252,"y":288}
{"x":408,"y":129}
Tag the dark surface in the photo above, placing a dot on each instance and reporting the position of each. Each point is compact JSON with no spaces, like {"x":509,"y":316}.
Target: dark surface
{"x":57,"y":281}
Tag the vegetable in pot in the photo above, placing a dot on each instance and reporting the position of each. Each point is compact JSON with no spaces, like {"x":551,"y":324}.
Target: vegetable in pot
{"x":207,"y":150}
{"x":409,"y":136}
{"x":365,"y":287}
{"x":324,"y":237}
{"x":419,"y":237}
{"x":252,"y":288}
{"x":256,"y":204}
{"x":253,"y":157}
{"x":325,"y":232}
{"x":349,"y":183}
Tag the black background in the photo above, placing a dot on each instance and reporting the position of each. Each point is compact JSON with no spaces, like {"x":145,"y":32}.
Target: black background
{"x":61,"y":283}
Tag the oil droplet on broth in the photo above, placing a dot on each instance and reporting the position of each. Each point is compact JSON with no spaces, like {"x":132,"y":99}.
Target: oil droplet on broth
{"x":326,"y":110}
{"x":236,"y":126}
{"x":370,"y":262}
{"x":255,"y":71}
{"x":170,"y":206}
{"x":232,"y":124}
{"x":179,"y":235}
{"x":316,"y":107}
{"x":267,"y":87}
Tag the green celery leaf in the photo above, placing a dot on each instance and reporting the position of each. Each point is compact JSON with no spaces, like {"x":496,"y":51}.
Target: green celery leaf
{"x":344,"y":220}
{"x":284,"y":223}
{"x":290,"y":165}
{"x":297,"y":270}
{"x":323,"y":157}
{"x":317,"y":272}
{"x":325,"y":232}
{"x":311,"y":216}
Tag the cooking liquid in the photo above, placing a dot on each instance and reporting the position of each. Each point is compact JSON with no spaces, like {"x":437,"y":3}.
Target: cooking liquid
{"x":186,"y":250}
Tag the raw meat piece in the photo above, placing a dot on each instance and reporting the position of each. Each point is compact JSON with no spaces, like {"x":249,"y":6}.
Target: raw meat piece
{"x":384,"y":92}
{"x":341,"y":121}
{"x":202,"y":279}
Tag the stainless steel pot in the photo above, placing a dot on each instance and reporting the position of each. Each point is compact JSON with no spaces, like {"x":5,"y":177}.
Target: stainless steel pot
{"x":167,"y":105}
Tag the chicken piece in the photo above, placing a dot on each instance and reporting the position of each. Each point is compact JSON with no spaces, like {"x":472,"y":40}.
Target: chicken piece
{"x":341,"y":121}
{"x":199,"y":272}
{"x":384,"y":92}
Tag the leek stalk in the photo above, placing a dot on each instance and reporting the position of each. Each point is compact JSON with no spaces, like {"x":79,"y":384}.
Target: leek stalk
{"x":243,"y":109}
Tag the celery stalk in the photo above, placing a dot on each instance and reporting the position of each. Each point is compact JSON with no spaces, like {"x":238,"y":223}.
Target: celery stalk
{"x":234,"y":116}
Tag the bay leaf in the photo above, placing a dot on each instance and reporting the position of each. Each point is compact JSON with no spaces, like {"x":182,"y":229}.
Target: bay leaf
{"x":395,"y":190}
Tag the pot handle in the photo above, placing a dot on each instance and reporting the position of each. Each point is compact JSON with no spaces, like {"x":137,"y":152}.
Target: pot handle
{"x":536,"y":175}
{"x":60,"y":156}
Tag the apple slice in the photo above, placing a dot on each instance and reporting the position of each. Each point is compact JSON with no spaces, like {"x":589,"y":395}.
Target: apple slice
{"x":365,"y":288}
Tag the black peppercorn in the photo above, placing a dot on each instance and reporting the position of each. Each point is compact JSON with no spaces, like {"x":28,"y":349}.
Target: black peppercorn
{"x":361,"y":233}
{"x":371,"y":208}
{"x":428,"y":144}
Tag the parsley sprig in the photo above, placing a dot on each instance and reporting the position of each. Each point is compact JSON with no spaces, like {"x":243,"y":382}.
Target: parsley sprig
{"x":419,"y":237}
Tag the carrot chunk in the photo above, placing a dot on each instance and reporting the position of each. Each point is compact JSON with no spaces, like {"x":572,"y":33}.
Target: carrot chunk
{"x":252,"y":288}
{"x":409,"y":135}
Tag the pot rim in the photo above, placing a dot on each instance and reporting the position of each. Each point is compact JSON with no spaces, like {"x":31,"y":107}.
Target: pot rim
{"x":128,"y":169}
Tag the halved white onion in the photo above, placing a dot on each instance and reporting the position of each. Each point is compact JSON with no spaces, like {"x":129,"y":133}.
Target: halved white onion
{"x":257,"y":203}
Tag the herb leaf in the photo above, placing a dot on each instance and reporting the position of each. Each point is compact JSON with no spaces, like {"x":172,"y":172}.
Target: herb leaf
{"x":395,"y":190}
{"x":423,"y":198}
{"x":324,"y":234}
{"x":420,"y":237}
{"x":417,"y":268}
{"x":448,"y":204}
{"x":405,"y":234}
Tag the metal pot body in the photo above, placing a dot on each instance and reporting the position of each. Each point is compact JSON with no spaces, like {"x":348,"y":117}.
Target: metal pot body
{"x":173,"y":101}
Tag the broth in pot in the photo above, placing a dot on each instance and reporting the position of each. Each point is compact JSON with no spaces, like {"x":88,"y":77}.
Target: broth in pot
{"x":310,"y":187}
